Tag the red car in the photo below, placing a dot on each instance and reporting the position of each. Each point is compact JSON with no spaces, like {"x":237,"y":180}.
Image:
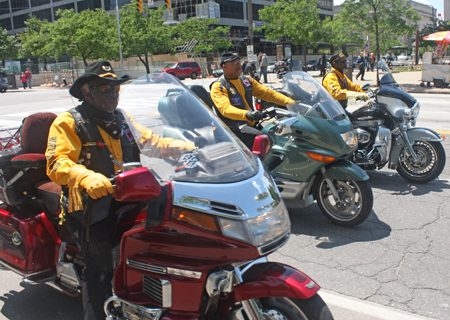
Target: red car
{"x":183,"y":69}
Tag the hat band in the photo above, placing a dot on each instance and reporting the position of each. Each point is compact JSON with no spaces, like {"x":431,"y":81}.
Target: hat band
{"x":108,"y":74}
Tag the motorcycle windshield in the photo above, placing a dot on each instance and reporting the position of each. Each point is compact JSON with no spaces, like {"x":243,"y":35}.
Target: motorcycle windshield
{"x":388,"y":78}
{"x":178,"y":136}
{"x":313,"y":100}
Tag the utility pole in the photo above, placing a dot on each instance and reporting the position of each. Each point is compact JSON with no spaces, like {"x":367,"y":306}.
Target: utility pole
{"x":120,"y":41}
{"x":250,"y":20}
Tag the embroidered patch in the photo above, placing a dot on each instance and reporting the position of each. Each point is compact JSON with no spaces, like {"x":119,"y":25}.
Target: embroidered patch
{"x":129,"y":134}
{"x":247,"y":83}
{"x":235,"y":101}
{"x":232,"y":90}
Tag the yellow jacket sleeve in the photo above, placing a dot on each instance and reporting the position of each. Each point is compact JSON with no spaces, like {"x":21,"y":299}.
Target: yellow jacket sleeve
{"x":331,"y":83}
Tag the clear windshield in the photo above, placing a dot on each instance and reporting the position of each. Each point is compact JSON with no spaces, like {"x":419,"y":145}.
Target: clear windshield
{"x":312,"y":99}
{"x":384,"y":67}
{"x":178,"y":135}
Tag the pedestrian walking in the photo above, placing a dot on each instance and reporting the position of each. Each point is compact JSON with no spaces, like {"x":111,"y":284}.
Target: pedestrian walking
{"x":23,"y":79}
{"x":263,"y":64}
{"x":323,"y":65}
{"x":360,"y":63}
{"x":28,"y":76}
{"x":372,"y":61}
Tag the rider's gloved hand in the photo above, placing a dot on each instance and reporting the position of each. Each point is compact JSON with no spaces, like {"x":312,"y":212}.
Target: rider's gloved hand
{"x":95,"y":184}
{"x":362,"y":96}
{"x":254,"y":116}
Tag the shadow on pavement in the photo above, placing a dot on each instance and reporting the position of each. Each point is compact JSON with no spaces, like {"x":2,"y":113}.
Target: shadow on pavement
{"x":391,"y":181}
{"x":40,"y":302}
{"x":310,"y":221}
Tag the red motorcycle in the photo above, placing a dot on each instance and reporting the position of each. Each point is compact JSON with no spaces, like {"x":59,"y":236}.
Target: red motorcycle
{"x":193,"y":233}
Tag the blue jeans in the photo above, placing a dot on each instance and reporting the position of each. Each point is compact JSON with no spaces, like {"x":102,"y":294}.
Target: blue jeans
{"x":29,"y":82}
{"x":264,"y":72}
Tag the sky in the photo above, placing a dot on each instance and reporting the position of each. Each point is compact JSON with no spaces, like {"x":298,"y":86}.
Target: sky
{"x":437,"y":4}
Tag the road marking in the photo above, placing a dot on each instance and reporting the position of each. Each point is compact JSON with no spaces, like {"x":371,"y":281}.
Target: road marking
{"x":443,"y":131}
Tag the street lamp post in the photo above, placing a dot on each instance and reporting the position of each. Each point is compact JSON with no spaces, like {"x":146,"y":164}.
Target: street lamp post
{"x":120,"y":41}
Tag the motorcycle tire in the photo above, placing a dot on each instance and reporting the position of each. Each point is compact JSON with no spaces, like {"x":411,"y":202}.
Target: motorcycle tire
{"x":429,"y":166}
{"x":313,"y":308}
{"x":356,"y":204}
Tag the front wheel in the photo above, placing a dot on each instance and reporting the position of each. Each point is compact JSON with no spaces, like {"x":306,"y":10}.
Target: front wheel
{"x":354,"y":205}
{"x":429,"y":163}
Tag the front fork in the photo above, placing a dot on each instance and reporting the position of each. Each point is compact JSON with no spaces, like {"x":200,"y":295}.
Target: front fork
{"x":408,"y":144}
{"x":331,"y":186}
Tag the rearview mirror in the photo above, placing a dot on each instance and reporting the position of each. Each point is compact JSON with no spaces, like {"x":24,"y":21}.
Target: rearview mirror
{"x":261,"y":146}
{"x":137,"y":185}
{"x":366,"y":87}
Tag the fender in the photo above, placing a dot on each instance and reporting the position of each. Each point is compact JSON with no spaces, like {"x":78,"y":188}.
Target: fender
{"x":345,"y":170}
{"x":272,"y":279}
{"x":414,"y":134}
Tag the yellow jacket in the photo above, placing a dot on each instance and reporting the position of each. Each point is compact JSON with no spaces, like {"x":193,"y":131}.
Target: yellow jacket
{"x":222,"y":101}
{"x":331,"y":83}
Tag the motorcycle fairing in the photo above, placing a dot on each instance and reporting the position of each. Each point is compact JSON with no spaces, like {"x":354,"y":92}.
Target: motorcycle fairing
{"x":273,"y":279}
{"x":345,"y":170}
{"x":414,"y":134}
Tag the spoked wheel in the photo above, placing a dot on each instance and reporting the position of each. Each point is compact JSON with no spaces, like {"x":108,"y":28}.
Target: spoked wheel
{"x":354,"y":205}
{"x":429,"y":163}
{"x":279,"y":308}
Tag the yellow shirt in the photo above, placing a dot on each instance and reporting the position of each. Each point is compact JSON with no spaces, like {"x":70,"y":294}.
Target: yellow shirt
{"x":222,"y":101}
{"x":331,"y":83}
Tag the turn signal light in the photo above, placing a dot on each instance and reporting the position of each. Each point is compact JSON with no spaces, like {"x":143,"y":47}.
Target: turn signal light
{"x":195,"y":219}
{"x":320,"y":157}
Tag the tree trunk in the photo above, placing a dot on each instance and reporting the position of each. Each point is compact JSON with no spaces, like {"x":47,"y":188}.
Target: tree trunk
{"x":146,"y":64}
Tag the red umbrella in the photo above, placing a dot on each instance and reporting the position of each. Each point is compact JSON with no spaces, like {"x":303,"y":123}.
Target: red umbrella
{"x":441,"y":36}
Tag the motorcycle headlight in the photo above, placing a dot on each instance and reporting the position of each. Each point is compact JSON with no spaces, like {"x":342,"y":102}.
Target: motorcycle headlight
{"x":412,"y":114}
{"x":259,"y":230}
{"x":349,"y":138}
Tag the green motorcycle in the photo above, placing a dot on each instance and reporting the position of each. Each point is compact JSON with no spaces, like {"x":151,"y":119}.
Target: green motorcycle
{"x":311,"y":141}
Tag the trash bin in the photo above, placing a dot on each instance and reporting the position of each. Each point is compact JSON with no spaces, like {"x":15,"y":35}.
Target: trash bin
{"x":12,"y":79}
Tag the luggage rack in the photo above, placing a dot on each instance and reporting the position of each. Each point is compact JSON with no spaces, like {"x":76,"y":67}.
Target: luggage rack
{"x":9,"y":138}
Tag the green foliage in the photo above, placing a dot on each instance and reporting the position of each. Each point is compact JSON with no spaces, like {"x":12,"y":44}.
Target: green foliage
{"x":429,"y":29}
{"x":36,"y":39}
{"x":9,"y":48}
{"x":88,"y":35}
{"x":144,"y":33}
{"x":209,"y":38}
{"x":382,"y":19}
{"x":297,"y":20}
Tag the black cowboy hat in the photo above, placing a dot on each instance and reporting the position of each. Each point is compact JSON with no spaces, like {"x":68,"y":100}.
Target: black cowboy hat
{"x":98,"y":70}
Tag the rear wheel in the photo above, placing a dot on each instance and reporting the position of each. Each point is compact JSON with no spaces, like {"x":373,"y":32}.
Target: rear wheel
{"x":354,"y":206}
{"x":429,"y":163}
{"x":194,"y":75}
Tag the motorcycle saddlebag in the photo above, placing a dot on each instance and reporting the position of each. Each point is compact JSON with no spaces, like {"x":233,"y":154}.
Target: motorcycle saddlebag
{"x":12,"y":193}
{"x":29,"y":243}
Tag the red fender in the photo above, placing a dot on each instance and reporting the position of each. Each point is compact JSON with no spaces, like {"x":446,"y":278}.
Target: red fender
{"x":273,"y":279}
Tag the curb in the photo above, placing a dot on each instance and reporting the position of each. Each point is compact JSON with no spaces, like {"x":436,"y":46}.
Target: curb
{"x":344,"y":307}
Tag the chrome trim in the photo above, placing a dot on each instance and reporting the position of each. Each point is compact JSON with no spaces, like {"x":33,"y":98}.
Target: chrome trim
{"x":220,"y":281}
{"x":152,"y":313}
{"x":166,"y":293}
{"x":219,"y":207}
{"x":184,"y":273}
{"x":68,"y":274}
{"x":281,"y":242}
{"x":159,"y":290}
{"x":146,"y":266}
{"x":24,"y":275}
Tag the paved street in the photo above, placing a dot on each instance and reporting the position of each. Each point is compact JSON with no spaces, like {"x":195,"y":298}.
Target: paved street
{"x":393,"y":266}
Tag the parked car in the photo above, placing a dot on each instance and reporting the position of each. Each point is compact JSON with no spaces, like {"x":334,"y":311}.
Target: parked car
{"x":5,"y":82}
{"x":217,"y":72}
{"x":312,"y":65}
{"x":183,"y":69}
{"x":271,"y":67}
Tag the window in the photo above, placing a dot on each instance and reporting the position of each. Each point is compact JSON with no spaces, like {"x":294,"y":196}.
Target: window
{"x":231,"y":9}
{"x":4,"y":7}
{"x":6,"y":24}
{"x":45,"y":14}
{"x":36,"y":3}
{"x":194,"y":65}
{"x":325,"y":4}
{"x":19,"y":21}
{"x":94,"y":4}
{"x":184,"y":65}
{"x":111,"y":4}
{"x":18,"y":5}
{"x":256,"y":8}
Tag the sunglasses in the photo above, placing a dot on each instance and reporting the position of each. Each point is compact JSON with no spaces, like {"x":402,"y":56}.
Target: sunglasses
{"x":105,"y":88}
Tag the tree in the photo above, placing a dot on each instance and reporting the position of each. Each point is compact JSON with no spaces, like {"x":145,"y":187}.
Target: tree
{"x":9,"y":48}
{"x":36,"y":38}
{"x":379,"y":18}
{"x":144,"y":33}
{"x":202,"y":31}
{"x":88,"y":35}
{"x":429,"y":28}
{"x":299,"y":20}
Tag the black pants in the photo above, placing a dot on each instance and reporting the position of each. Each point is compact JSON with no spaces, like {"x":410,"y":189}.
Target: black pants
{"x":247,"y":135}
{"x":361,"y":72}
{"x":97,"y":256}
